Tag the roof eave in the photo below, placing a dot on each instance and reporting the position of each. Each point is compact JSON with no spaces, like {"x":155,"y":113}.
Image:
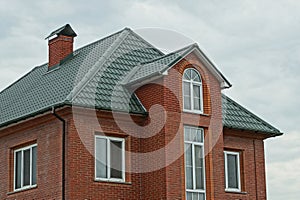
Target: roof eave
{"x":145,"y":80}
{"x":225,"y":84}
{"x":33,"y":114}
{"x":265,"y":133}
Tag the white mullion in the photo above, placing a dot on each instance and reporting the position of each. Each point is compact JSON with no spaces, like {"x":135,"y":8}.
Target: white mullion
{"x":226,"y":170}
{"x":123,"y":160}
{"x":194,"y":170}
{"x":95,"y":154}
{"x":108,"y":158}
{"x":15,"y":164}
{"x":201,"y":97}
{"x":22,"y":153}
{"x":192,"y":96}
{"x":30,"y":165}
{"x":203,"y":168}
{"x":238,"y":171}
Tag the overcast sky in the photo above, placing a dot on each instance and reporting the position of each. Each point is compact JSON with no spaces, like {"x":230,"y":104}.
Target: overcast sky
{"x":256,"y":44}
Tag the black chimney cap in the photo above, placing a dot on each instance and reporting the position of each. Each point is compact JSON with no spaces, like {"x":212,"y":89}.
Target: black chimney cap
{"x":65,"y":30}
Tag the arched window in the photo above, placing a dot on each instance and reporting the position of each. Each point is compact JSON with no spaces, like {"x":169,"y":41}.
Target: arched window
{"x":192,"y":91}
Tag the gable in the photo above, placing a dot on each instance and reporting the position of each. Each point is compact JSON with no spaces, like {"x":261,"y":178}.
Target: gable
{"x":161,"y":65}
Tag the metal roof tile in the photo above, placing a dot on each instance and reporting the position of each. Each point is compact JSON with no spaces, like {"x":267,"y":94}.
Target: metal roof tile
{"x":237,"y":117}
{"x":92,"y":78}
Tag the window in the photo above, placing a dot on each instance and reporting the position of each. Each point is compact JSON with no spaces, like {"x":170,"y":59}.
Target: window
{"x":232,"y":171}
{"x":109,"y":158}
{"x":192,"y":91}
{"x":25,"y":167}
{"x":194,"y":163}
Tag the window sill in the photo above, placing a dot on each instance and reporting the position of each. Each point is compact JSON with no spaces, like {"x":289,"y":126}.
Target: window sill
{"x":22,"y":189}
{"x":195,"y":112}
{"x":235,"y":192}
{"x":112,"y":182}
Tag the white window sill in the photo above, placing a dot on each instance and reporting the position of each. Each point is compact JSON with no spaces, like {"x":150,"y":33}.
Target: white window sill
{"x":235,"y":191}
{"x":196,"y":190}
{"x":23,"y":189}
{"x":195,"y":112}
{"x":112,"y":181}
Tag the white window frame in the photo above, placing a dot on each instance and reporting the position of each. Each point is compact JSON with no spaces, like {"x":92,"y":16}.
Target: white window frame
{"x":193,"y":143}
{"x":191,"y":84}
{"x":237,"y":154}
{"x":22,"y":165}
{"x":108,"y":139}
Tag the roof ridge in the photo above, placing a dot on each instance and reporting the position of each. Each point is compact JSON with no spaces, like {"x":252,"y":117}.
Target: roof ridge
{"x":95,"y":68}
{"x":100,"y":40}
{"x":143,"y":40}
{"x":163,"y":56}
{"x":250,"y":113}
{"x":186,"y":49}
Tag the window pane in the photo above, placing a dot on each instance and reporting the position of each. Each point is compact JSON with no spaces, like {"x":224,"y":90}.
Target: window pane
{"x":196,"y":93}
{"x":199,"y":135}
{"x":187,"y":103}
{"x":197,"y":78}
{"x":187,"y":95}
{"x":116,"y":159}
{"x":189,"y":196}
{"x":26,"y":168}
{"x":18,"y":162}
{"x":187,"y":134}
{"x":187,"y":75}
{"x":199,"y":172}
{"x":194,"y":74}
{"x":232,"y":171}
{"x":33,"y":166}
{"x":195,"y":196}
{"x":186,"y":88}
{"x":201,"y":196}
{"x":188,"y":166}
{"x":101,"y":158}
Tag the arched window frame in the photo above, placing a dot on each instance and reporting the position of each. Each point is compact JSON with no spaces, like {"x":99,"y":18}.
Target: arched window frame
{"x":192,"y":83}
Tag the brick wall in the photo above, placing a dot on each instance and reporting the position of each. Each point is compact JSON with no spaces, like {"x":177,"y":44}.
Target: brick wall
{"x":174,"y":182}
{"x":164,"y":147}
{"x":251,"y":146}
{"x":46,"y":132}
{"x":81,"y":183}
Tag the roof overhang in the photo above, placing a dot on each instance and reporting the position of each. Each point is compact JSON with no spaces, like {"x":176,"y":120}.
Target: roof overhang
{"x":209,"y":64}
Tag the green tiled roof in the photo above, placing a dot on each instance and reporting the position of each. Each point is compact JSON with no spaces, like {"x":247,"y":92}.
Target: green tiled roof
{"x":237,"y":117}
{"x":87,"y":78}
{"x":94,"y":75}
{"x":155,"y":67}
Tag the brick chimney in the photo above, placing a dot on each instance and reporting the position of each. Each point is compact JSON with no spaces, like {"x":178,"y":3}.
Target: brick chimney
{"x":60,"y":44}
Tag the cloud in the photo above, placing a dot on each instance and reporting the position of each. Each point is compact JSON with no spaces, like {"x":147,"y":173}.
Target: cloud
{"x":282,"y":167}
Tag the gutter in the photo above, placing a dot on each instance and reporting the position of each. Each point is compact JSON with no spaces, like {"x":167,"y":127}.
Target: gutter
{"x":33,"y":114}
{"x":63,"y":151}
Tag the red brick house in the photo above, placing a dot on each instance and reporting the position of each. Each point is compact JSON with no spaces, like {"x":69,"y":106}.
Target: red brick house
{"x":118,"y":119}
